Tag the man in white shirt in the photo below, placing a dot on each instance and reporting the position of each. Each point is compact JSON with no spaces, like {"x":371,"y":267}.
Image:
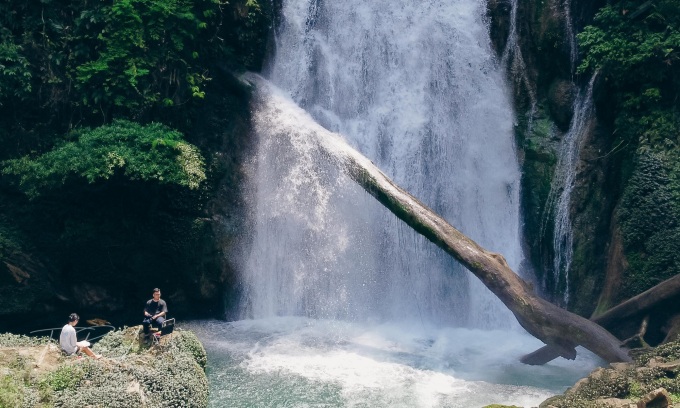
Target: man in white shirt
{"x":69,"y":342}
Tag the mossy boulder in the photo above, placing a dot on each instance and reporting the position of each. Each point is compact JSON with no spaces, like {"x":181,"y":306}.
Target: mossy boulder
{"x":131,"y":373}
{"x":501,"y":406}
{"x":652,"y":376}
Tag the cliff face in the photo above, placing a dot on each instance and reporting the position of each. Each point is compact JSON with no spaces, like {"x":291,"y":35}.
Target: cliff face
{"x":608,"y":222}
{"x":542,"y":66}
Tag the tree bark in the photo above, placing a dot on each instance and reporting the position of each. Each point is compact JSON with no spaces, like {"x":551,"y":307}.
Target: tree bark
{"x":642,"y":303}
{"x":545,"y":321}
{"x":639,"y":305}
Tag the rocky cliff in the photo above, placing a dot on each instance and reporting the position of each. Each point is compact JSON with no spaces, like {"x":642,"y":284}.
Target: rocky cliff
{"x":615,"y":253}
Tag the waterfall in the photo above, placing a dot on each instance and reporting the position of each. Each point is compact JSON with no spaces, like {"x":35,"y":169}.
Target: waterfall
{"x":415,"y":87}
{"x":559,"y":198}
{"x":513,"y":60}
{"x":570,"y":35}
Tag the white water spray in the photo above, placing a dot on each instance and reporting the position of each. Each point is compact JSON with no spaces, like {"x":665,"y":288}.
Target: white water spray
{"x":414,"y":86}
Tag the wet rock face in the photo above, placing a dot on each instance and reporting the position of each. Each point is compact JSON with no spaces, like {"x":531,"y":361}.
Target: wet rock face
{"x":498,"y":12}
{"x":561,"y":96}
{"x":544,"y":102}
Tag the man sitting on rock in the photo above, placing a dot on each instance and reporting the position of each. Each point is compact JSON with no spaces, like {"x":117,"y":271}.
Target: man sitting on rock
{"x":154,"y":312}
{"x":69,"y":342}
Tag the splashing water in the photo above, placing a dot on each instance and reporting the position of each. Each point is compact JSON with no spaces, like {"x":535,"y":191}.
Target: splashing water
{"x":414,"y":86}
{"x":301,"y":362}
{"x":346,"y":306}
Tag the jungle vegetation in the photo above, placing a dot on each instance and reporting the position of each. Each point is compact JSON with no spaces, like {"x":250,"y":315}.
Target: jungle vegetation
{"x":635,"y":47}
{"x":121,"y":120}
{"x":111,"y":114}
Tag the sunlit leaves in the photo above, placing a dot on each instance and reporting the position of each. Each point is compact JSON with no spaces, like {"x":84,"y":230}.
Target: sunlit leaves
{"x":144,"y":49}
{"x":152,"y":152}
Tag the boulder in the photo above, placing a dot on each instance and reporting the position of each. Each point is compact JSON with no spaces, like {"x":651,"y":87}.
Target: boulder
{"x":659,"y":398}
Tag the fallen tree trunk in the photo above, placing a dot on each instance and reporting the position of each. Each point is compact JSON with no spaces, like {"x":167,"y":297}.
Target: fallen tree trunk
{"x":639,"y":305}
{"x":547,"y":322}
{"x":642,"y":303}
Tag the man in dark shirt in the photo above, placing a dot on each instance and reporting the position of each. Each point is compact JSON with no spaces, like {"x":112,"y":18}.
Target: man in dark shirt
{"x":154,"y":311}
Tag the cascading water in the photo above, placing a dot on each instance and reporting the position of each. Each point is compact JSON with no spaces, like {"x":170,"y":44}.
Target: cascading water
{"x":343,"y":304}
{"x":513,"y":60}
{"x":559,"y":199}
{"x":414,"y":86}
{"x":570,"y":34}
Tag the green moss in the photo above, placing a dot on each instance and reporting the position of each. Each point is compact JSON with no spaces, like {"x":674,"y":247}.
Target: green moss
{"x":500,"y":406}
{"x":186,"y":341}
{"x":631,"y":383}
{"x":11,"y":392}
{"x":537,"y":172}
{"x":171,"y":375}
{"x":650,"y":221}
{"x":65,"y":377}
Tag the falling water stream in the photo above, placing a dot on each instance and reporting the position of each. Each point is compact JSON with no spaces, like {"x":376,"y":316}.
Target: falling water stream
{"x":342,"y":303}
{"x":559,"y":199}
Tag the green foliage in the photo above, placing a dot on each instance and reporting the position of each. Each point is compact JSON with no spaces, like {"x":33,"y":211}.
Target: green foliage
{"x":641,"y":50}
{"x":648,"y":204}
{"x":636,"y":50}
{"x":170,"y":374}
{"x":83,"y":63}
{"x":11,"y":392}
{"x":18,"y":340}
{"x":650,"y":221}
{"x":187,"y":342}
{"x":118,"y":343}
{"x":152,"y":152}
{"x":148,"y":53}
{"x":15,"y":76}
{"x":65,"y":377}
{"x":165,"y":377}
{"x":251,"y":28}
{"x":638,"y":58}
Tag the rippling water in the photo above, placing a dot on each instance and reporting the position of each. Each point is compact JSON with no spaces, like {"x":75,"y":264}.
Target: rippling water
{"x":301,"y":362}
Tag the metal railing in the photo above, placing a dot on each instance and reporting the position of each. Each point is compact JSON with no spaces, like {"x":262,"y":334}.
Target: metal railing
{"x":89,"y":330}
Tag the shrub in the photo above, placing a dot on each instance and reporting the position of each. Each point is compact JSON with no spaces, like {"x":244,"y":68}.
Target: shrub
{"x":151,"y":152}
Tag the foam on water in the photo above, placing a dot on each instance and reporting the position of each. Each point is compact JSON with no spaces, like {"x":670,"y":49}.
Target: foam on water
{"x":293,"y":361}
{"x":351,"y":307}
